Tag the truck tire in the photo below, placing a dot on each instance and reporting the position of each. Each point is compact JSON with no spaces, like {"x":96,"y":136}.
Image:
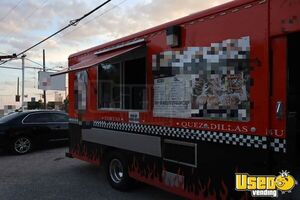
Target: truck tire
{"x":21,"y":145}
{"x":116,"y":169}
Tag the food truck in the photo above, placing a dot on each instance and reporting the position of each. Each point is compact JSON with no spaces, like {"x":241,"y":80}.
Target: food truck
{"x":187,"y":105}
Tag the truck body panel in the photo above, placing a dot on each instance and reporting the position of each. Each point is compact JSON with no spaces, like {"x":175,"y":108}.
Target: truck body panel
{"x":190,"y":116}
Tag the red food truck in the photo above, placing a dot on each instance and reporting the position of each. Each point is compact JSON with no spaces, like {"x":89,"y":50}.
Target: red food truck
{"x":188,"y":105}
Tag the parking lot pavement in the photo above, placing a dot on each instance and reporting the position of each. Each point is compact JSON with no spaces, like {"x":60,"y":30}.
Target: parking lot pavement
{"x":48,"y":174}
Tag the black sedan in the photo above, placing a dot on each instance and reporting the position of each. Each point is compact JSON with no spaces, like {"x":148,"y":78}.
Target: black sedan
{"x":21,"y":131}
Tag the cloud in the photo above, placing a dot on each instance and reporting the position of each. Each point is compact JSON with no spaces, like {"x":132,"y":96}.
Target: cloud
{"x":33,"y":20}
{"x":120,"y":22}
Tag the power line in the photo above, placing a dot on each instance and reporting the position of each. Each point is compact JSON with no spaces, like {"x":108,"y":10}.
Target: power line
{"x":28,"y":16}
{"x":13,"y":8}
{"x":34,"y":62}
{"x":6,"y":67}
{"x":71,"y":23}
{"x":27,"y":67}
{"x":26,"y":59}
{"x":89,"y":21}
{"x":42,"y":65}
{"x":32,"y":13}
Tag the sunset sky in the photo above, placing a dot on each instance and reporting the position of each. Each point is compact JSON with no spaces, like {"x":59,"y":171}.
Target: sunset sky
{"x":26,"y":22}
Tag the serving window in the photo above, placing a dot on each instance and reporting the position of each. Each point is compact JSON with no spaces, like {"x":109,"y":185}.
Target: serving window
{"x":109,"y":85}
{"x":122,"y":82}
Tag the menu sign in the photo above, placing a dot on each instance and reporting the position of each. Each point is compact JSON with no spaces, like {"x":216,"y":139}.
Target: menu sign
{"x":172,"y":96}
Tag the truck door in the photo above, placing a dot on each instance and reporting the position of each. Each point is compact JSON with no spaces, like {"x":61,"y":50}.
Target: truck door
{"x":285,"y":93}
{"x":278,"y":88}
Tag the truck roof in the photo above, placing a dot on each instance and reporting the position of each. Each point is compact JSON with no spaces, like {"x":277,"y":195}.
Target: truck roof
{"x":201,"y":14}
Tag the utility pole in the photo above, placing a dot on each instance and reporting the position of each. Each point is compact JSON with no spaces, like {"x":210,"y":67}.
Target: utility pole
{"x":44,"y":69}
{"x":23,"y":80}
{"x":18,"y":91}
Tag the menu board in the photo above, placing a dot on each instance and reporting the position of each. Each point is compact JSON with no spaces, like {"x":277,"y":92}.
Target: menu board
{"x":172,"y":96}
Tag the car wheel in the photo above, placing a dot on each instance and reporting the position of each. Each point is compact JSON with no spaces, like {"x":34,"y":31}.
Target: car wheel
{"x":21,"y":145}
{"x":117,"y":172}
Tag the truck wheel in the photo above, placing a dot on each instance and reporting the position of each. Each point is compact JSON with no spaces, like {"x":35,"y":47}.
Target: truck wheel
{"x":21,"y":145}
{"x":117,"y":172}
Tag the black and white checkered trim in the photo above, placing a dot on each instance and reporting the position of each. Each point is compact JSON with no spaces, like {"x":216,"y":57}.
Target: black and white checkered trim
{"x":279,"y":145}
{"x":251,"y":141}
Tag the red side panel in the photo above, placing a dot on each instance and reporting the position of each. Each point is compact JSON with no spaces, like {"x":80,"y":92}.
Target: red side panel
{"x":285,"y":16}
{"x":232,"y":24}
{"x":71,"y":77}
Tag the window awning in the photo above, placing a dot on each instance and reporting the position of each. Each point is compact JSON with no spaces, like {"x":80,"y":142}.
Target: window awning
{"x":97,"y":59}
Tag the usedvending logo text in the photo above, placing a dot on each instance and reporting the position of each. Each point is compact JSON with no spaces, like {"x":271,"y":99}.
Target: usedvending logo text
{"x":265,"y":185}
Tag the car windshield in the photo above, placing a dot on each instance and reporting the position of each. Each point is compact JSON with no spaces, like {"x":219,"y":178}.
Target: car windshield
{"x":9,"y":117}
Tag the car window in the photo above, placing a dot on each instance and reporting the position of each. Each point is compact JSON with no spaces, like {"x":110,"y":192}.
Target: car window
{"x":57,"y":117}
{"x":38,"y":118}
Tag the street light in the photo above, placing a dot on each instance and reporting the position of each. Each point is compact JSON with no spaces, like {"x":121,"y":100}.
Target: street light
{"x":23,"y":80}
{"x":8,"y":56}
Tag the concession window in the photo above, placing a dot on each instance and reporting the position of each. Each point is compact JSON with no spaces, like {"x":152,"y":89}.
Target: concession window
{"x":105,"y":56}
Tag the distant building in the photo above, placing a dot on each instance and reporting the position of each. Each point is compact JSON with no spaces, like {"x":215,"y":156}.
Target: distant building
{"x":57,"y":105}
{"x":9,"y":108}
{"x":58,"y":97}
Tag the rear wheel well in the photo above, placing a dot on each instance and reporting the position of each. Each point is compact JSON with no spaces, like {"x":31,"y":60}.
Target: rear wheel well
{"x":21,"y":134}
{"x":109,"y":150}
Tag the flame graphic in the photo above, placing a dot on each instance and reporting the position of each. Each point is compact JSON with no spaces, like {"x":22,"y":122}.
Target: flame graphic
{"x":197,"y":191}
{"x":81,"y":152}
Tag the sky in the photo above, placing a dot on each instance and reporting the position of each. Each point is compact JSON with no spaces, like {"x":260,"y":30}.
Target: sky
{"x":26,"y":22}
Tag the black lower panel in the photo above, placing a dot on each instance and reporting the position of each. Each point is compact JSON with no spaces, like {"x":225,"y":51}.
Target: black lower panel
{"x":87,"y":151}
{"x":213,"y":175}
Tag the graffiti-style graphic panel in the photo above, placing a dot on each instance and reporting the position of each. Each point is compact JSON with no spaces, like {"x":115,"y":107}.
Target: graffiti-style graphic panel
{"x":81,"y":91}
{"x":216,"y":81}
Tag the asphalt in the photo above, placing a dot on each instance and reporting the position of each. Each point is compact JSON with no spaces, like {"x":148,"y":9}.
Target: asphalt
{"x":48,"y":174}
